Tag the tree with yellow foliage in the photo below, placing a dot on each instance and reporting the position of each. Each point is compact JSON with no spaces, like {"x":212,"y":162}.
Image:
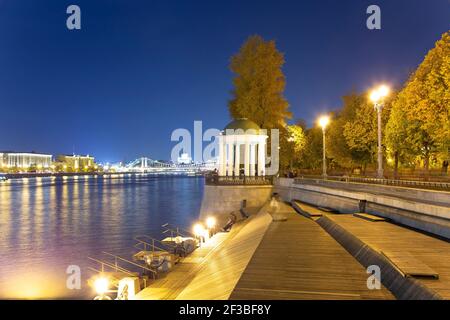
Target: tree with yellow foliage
{"x":294,"y":146}
{"x":259,"y":84}
{"x":421,"y":112}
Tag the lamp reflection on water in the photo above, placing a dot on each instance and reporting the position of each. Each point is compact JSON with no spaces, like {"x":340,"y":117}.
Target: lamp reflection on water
{"x":33,"y":284}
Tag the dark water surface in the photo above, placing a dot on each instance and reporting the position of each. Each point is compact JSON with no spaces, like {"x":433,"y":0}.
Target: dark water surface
{"x":47,"y":224}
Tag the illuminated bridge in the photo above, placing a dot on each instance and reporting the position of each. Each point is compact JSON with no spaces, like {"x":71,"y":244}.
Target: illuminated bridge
{"x":145,"y":164}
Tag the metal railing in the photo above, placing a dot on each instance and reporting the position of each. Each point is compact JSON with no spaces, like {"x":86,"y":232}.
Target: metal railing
{"x":176,"y":231}
{"x":436,"y":185}
{"x":149,"y":244}
{"x":238,"y":180}
{"x":114,"y":266}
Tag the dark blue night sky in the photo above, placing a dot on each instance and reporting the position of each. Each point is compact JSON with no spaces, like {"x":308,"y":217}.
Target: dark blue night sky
{"x":139,"y":69}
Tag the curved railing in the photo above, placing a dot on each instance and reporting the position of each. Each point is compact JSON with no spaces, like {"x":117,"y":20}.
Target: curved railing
{"x":437,"y":185}
{"x":238,"y":180}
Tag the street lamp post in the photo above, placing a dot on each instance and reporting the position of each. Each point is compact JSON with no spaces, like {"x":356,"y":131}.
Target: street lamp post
{"x":377,"y":96}
{"x":379,"y":107}
{"x":290,"y":139}
{"x":323,"y":122}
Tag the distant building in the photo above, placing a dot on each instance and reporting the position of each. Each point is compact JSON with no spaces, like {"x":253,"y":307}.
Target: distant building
{"x":184,"y":159}
{"x":77,"y":162}
{"x":25,"y":160}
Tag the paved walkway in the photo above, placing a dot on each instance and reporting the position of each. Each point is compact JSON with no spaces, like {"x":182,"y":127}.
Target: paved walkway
{"x":297,"y":259}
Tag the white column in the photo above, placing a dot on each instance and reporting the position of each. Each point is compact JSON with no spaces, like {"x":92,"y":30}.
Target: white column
{"x":227,"y":156}
{"x":247,"y":159}
{"x":261,"y":159}
{"x":221,"y":157}
{"x":230,"y":159}
{"x":224,"y":157}
{"x":252,"y":159}
{"x":237,"y":160}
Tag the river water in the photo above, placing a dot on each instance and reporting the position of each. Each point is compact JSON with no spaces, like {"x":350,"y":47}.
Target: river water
{"x":49,"y":224}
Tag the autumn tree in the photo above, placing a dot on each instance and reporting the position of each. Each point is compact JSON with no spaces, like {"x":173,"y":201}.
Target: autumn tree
{"x":311,"y":157}
{"x":396,"y":138}
{"x":290,"y":153}
{"x":424,"y":105}
{"x":337,"y":147}
{"x":259,"y":84}
{"x":359,"y":126}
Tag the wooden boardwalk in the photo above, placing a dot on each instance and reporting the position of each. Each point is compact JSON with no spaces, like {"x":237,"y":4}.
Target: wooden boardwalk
{"x":168,"y":286}
{"x":402,"y":243}
{"x":218,"y":276}
{"x":211,"y":271}
{"x":297,"y":259}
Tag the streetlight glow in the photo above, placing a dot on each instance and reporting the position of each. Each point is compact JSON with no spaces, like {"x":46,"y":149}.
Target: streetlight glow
{"x":199,"y":230}
{"x":101,"y":285}
{"x":324,"y":121}
{"x":384,"y":90}
{"x":375,"y":96}
{"x":211,"y":222}
{"x":379,"y":93}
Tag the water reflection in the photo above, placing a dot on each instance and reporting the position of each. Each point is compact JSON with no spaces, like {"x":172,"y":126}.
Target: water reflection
{"x":48,"y":224}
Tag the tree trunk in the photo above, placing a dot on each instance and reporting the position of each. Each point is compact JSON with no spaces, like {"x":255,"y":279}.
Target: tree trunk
{"x":396,"y":165}
{"x":426,"y":163}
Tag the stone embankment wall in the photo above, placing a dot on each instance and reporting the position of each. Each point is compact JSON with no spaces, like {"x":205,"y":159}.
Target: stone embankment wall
{"x":220,"y":201}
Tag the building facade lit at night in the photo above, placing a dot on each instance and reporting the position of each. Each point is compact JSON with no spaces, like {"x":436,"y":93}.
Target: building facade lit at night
{"x":77,"y":161}
{"x":25,"y":160}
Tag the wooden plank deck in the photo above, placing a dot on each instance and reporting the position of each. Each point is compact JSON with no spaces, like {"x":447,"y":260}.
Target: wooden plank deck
{"x":306,"y":209}
{"x":211,"y":271}
{"x":388,"y":237}
{"x":408,"y":265}
{"x":218,"y":276}
{"x":369,"y":217}
{"x":297,"y":259}
{"x":169,"y":285}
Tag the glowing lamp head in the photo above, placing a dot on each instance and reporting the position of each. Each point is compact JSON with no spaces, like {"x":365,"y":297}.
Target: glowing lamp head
{"x":198,"y":230}
{"x":384,"y":91}
{"x":211,"y":222}
{"x":101,"y":285}
{"x":375,"y":96}
{"x":324,"y":121}
{"x":379,"y":93}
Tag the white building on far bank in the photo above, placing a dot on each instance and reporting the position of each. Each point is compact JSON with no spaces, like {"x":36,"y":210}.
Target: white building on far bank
{"x":25,"y":160}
